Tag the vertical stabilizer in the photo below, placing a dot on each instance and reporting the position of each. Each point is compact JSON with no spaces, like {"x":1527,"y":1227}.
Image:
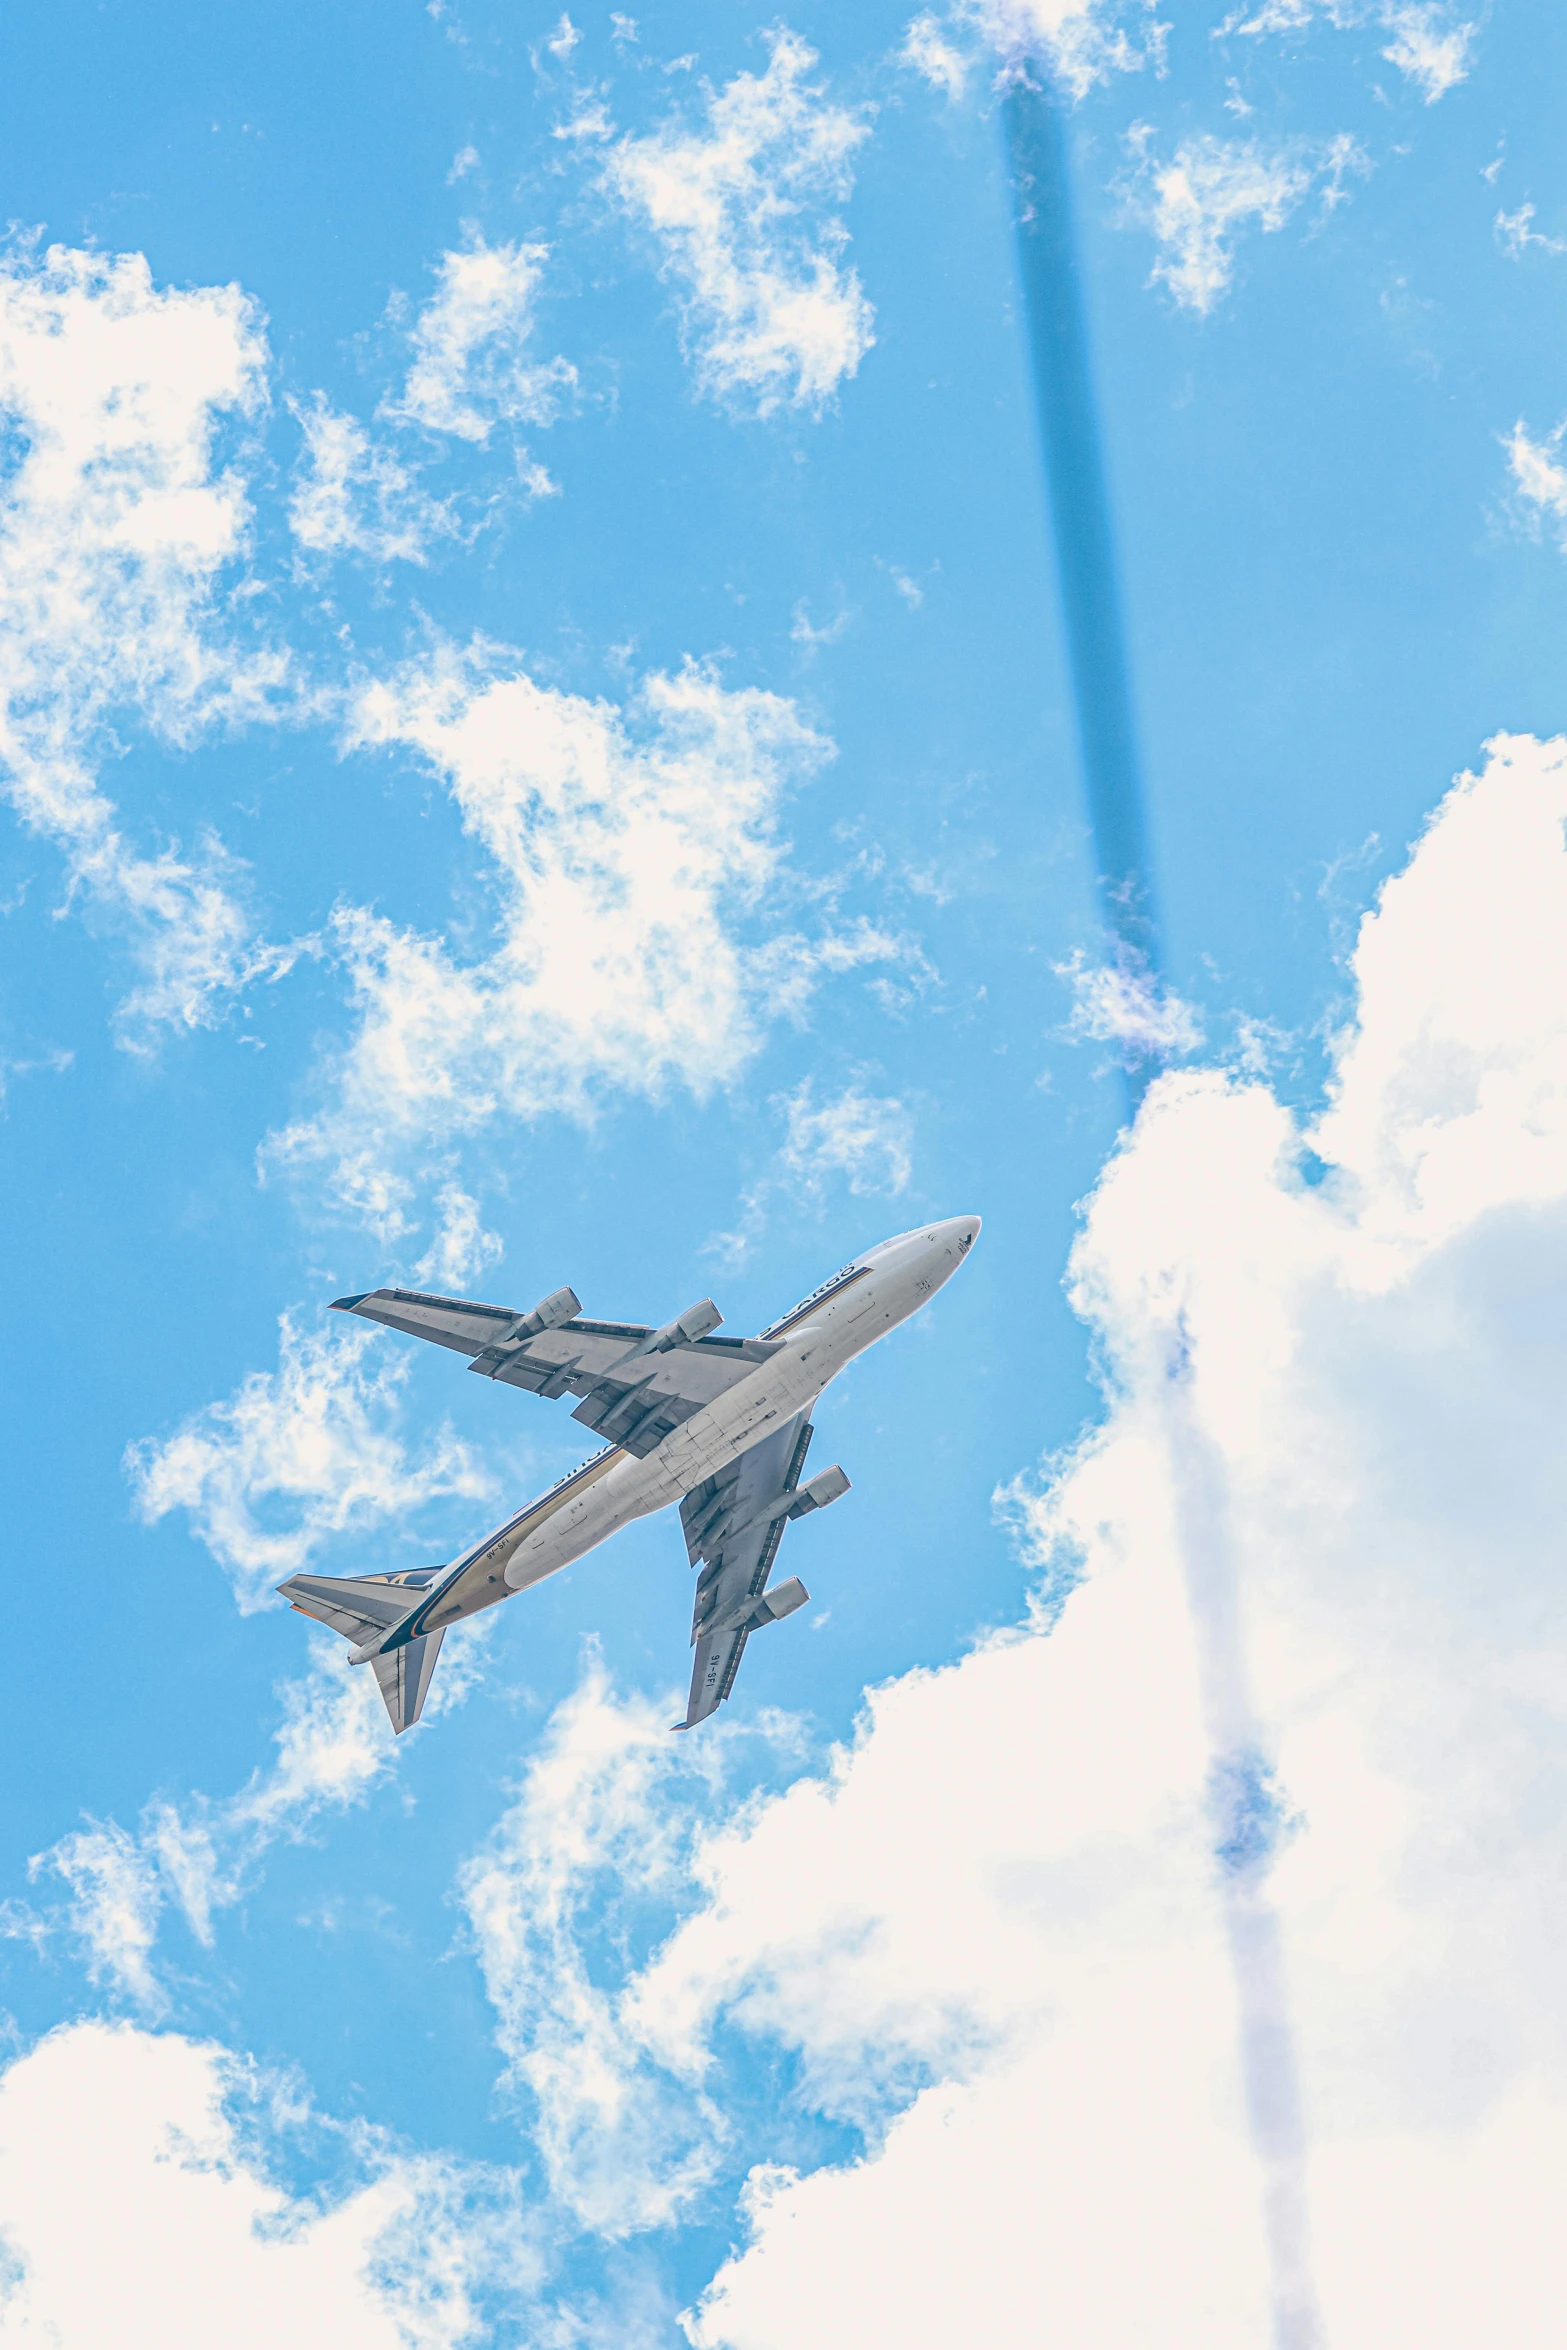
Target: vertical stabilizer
{"x":405,"y":1675}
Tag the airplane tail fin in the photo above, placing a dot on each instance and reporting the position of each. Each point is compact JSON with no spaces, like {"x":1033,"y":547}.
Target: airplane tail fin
{"x":364,"y":1607}
{"x":405,"y":1676}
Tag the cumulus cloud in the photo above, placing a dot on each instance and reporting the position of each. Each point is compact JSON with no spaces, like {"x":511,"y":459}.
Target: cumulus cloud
{"x":770,"y":317}
{"x":298,"y":1456}
{"x":173,"y":2146}
{"x":1081,"y":41}
{"x":1431,"y":45}
{"x":1197,"y":203}
{"x":626,"y":847}
{"x":352,"y":496}
{"x":116,"y":525}
{"x":1014,"y":1934}
{"x":473,"y":361}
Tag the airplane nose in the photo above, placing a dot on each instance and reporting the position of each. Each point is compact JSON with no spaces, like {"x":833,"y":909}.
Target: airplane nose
{"x":962,"y":1229}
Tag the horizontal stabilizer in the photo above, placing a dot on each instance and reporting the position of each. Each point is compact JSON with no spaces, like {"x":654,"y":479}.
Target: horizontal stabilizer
{"x":359,"y":1606}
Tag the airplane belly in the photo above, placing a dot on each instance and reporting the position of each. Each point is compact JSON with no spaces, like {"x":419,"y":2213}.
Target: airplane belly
{"x":628,"y":1492}
{"x":713,"y":1437}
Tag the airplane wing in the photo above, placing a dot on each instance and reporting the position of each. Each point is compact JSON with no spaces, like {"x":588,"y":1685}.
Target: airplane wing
{"x":733,"y":1524}
{"x":359,"y":1606}
{"x":636,"y":1383}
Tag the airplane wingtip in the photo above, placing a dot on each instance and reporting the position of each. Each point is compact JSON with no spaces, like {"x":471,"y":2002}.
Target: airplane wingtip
{"x":346,"y":1305}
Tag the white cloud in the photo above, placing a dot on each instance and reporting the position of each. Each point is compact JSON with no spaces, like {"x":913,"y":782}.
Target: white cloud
{"x":626,"y":848}
{"x":1515,"y":233}
{"x":297,"y":1456}
{"x":804,"y":632}
{"x":866,"y":1137}
{"x":354,"y":497}
{"x":462,"y":1246}
{"x":473,"y":364}
{"x":1211,"y":189}
{"x":929,"y":51}
{"x":1308,"y":1675}
{"x":1431,"y":45}
{"x":1278,"y":16}
{"x":116,"y":1897}
{"x":1081,"y":41}
{"x":1123,"y":1004}
{"x":770,"y":317}
{"x":1539,"y":478}
{"x":115,"y":529}
{"x":621,"y":2152}
{"x":172,"y":2146}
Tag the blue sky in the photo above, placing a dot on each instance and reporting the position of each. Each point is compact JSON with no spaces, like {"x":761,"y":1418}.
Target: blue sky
{"x":540,"y":750}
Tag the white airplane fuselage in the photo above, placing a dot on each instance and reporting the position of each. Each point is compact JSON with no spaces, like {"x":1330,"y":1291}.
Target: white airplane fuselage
{"x":840,"y":1320}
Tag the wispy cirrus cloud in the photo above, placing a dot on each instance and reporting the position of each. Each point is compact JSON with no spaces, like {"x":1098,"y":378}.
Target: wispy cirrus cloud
{"x":630,"y":851}
{"x":1124,"y":1004}
{"x":197,"y":1858}
{"x":739,"y":212}
{"x":117,"y":524}
{"x":353,"y":495}
{"x":863,"y":1139}
{"x":1539,"y":478}
{"x":1431,"y":45}
{"x":866,"y":1138}
{"x":1516,"y":233}
{"x":474,"y":364}
{"x":592,"y":1815}
{"x":1428,"y":41}
{"x":1198,"y":203}
{"x":299,"y":1455}
{"x":1081,"y":42}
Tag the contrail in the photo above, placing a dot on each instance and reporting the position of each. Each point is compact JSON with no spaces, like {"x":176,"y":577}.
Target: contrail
{"x":1246,"y":1810}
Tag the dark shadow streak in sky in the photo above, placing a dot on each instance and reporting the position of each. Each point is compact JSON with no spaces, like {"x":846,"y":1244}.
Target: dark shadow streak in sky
{"x":1096,"y":647}
{"x":1080,"y":514}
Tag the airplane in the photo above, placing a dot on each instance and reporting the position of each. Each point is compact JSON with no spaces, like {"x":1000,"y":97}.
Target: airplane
{"x":720,"y":1425}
